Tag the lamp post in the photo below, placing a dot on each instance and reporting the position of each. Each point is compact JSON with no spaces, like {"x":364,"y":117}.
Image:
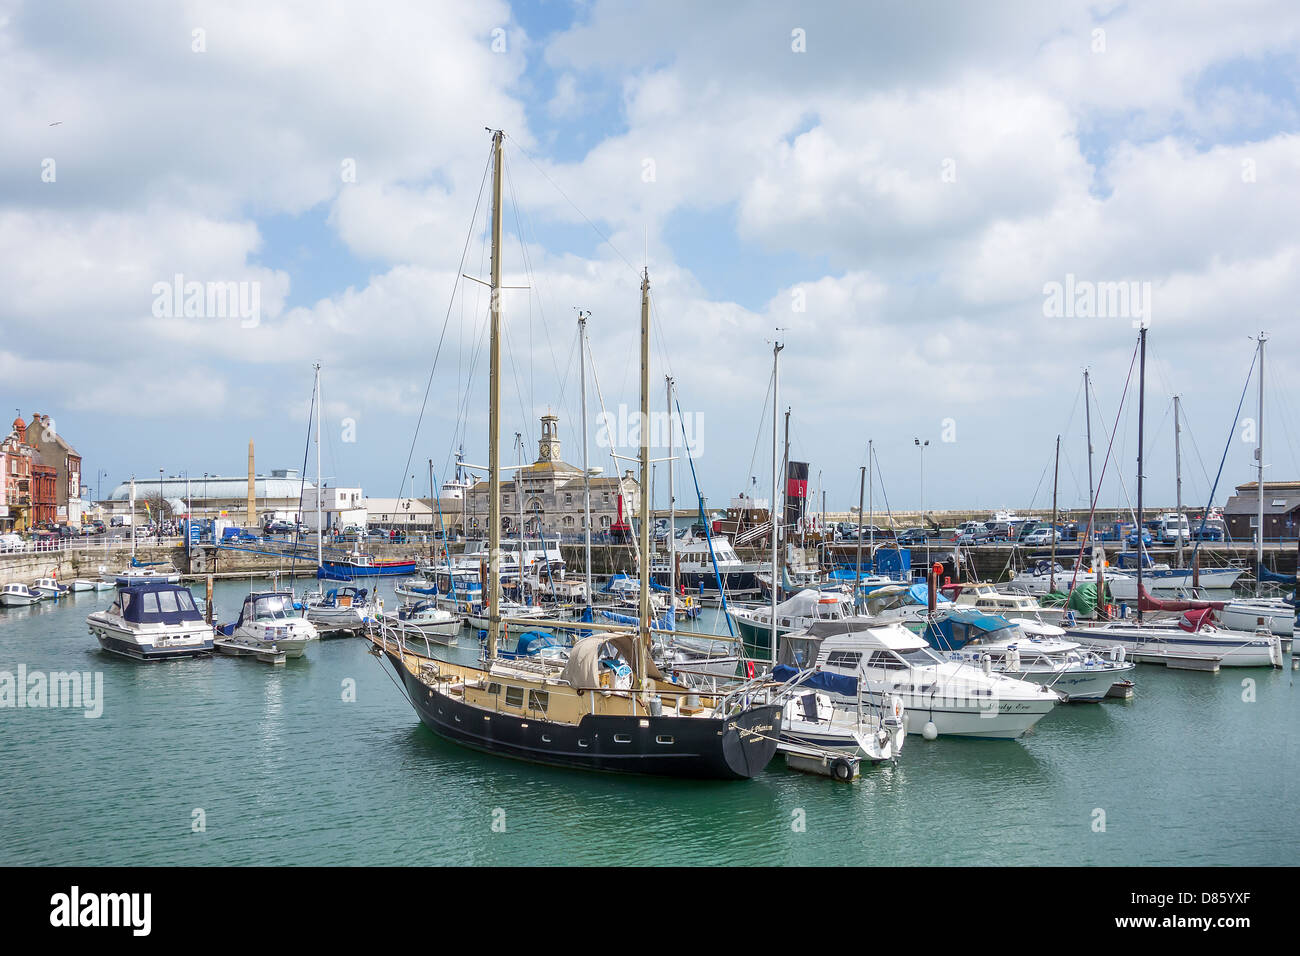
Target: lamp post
{"x":158,"y":519}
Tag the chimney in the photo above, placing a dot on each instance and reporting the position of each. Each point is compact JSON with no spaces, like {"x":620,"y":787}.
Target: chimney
{"x":252,"y":490}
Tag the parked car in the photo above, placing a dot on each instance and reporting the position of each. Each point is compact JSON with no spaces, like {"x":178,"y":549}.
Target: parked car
{"x":1132,"y":540}
{"x":12,"y":542}
{"x":911,"y":536}
{"x":1043,"y":535}
{"x":1028,"y":528}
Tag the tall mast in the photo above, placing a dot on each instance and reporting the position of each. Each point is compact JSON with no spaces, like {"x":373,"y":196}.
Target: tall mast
{"x":586,"y":467}
{"x":494,"y":413}
{"x":785,"y":478}
{"x":132,"y":532}
{"x":319,"y":531}
{"x":871,"y":492}
{"x":1087,"y":417}
{"x":1142,"y":398}
{"x":857,"y":565}
{"x":1056,"y":475}
{"x":776,"y":526}
{"x":1178,"y":477}
{"x":672,"y":511}
{"x":1259,"y":462}
{"x":643,"y":503}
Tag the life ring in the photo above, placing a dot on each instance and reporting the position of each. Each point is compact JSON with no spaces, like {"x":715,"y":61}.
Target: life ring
{"x":841,"y":769}
{"x":749,"y":669}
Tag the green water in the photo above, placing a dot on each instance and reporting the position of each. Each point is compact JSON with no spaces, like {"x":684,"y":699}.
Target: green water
{"x":286,"y":771}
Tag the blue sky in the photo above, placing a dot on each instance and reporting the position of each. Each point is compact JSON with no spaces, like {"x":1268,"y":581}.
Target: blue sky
{"x":894,"y":196}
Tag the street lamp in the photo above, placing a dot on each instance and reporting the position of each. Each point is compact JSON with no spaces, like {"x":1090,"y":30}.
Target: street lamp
{"x":158,"y":519}
{"x":921,"y":447}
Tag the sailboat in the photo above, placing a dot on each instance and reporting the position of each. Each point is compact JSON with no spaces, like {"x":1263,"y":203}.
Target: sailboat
{"x":610,"y":707}
{"x":1192,"y":643}
{"x":340,"y":609}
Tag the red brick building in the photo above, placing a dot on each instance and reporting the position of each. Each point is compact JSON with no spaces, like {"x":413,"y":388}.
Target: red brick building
{"x":16,"y":460}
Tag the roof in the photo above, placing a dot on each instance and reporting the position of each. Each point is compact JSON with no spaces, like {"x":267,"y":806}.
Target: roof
{"x":216,"y":488}
{"x":1275,"y":502}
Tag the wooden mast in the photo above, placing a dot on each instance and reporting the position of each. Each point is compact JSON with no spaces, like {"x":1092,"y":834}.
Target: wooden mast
{"x":494,"y":412}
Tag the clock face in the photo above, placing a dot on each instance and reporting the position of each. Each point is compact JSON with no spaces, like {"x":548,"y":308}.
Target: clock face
{"x":546,"y":452}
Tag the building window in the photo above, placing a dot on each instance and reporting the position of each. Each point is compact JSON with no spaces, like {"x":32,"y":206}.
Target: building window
{"x":568,"y":498}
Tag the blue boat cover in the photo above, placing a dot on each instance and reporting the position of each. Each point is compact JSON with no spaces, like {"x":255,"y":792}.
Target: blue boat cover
{"x":830,"y":683}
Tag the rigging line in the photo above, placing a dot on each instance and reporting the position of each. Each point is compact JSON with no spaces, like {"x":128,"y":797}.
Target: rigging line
{"x":878,"y":473}
{"x":534,"y":289}
{"x":1200,"y":533}
{"x":1092,"y":509}
{"x":596,"y":228}
{"x":442,"y":336}
{"x":762,"y":425}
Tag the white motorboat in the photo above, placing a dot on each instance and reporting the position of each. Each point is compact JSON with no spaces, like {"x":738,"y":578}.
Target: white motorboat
{"x":423,"y":619}
{"x":990,"y":600}
{"x":1190,"y":642}
{"x":267,"y":621}
{"x":812,"y":719}
{"x":1030,"y":650}
{"x":50,"y":588}
{"x":18,"y":595}
{"x":346,"y":608}
{"x":150,"y":621}
{"x":940,"y":697}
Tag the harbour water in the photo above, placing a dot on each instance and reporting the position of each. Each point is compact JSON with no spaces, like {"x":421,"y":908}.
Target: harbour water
{"x":222,"y":761}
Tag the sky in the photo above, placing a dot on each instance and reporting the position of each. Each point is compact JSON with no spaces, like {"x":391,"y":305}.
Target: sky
{"x":933,"y":206}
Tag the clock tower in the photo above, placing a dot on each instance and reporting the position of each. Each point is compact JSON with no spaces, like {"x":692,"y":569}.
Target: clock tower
{"x":548,"y":446}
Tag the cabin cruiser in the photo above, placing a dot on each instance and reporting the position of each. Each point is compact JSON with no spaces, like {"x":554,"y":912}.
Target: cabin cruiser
{"x":702,"y":562}
{"x":50,"y":588}
{"x":423,"y":619}
{"x":267,"y":621}
{"x":987,"y":598}
{"x":940,"y":697}
{"x":150,"y":621}
{"x":1189,"y":642}
{"x":1027,"y":650}
{"x":416,"y":588}
{"x":346,"y":608}
{"x":18,"y":595}
{"x":796,"y":613}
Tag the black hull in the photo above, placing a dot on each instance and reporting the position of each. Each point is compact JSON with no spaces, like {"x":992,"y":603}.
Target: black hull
{"x":736,"y":749}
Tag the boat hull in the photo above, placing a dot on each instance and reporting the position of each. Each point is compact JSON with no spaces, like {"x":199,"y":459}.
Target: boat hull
{"x":1163,"y":646}
{"x":123,"y":644}
{"x":734,"y":749}
{"x":19,"y":600}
